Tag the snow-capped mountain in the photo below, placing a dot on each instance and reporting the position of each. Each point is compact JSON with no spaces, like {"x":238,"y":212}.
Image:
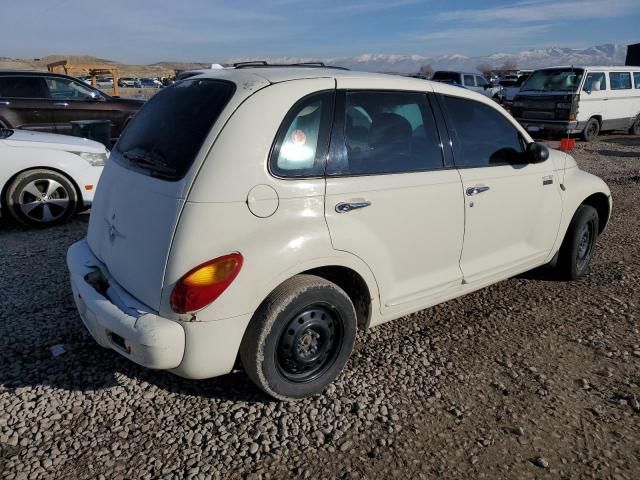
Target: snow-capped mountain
{"x":608,"y":54}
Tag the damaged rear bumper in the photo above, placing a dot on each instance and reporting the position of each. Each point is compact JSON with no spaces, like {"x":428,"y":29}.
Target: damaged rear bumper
{"x":118,"y":321}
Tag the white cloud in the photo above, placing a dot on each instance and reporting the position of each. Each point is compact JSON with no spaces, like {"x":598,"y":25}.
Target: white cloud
{"x":373,"y":6}
{"x":473,"y":36}
{"x":544,"y":10}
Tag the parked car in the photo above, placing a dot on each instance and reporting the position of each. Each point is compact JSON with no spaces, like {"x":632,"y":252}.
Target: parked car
{"x":580,"y":100}
{"x":49,"y":102}
{"x":471,"y":81}
{"x":267,"y":214}
{"x":46,"y":178}
{"x":128,"y":82}
{"x":148,"y":83}
{"x":510,"y":89}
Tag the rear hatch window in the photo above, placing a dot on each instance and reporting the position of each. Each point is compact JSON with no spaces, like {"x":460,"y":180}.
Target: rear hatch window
{"x":166,"y":134}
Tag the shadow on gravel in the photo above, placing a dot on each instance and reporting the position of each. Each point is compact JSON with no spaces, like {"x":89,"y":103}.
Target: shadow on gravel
{"x":618,"y":154}
{"x":627,"y":141}
{"x":37,"y":312}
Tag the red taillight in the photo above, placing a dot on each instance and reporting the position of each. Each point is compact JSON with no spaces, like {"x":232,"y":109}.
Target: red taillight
{"x":203,"y":284}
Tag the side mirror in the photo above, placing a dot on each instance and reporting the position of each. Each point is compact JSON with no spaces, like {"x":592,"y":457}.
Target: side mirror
{"x":537,"y":152}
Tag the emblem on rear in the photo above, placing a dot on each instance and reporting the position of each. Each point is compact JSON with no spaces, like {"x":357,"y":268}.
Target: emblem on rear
{"x":112,"y":230}
{"x":548,"y":180}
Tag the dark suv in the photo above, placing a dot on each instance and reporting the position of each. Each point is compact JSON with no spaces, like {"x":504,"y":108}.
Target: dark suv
{"x":48,"y":102}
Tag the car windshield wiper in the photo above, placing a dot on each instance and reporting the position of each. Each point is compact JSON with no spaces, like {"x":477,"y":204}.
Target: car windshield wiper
{"x":149,"y":161}
{"x":5,"y":133}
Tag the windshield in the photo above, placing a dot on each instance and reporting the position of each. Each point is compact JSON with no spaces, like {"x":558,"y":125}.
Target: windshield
{"x":5,"y":133}
{"x":166,"y":134}
{"x":450,"y":76}
{"x":554,"y":80}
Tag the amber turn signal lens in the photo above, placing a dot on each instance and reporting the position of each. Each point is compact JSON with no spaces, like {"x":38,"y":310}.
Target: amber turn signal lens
{"x":203,"y":284}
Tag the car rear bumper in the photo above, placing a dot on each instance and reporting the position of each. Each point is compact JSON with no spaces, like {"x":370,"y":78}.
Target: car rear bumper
{"x":118,"y":321}
{"x":551,"y":127}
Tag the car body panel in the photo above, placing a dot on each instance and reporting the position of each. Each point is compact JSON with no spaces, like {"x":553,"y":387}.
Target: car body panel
{"x":408,"y":256}
{"x":54,"y":115}
{"x":34,"y":150}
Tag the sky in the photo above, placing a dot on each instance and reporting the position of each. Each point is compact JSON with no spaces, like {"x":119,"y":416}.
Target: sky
{"x":148,"y":31}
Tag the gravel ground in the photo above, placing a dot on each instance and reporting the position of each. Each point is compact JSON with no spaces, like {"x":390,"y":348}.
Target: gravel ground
{"x":530,"y":378}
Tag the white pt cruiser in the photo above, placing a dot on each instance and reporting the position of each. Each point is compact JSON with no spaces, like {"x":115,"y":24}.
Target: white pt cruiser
{"x":267,"y":213}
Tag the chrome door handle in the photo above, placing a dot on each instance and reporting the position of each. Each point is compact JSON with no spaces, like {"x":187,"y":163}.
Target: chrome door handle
{"x":5,"y":103}
{"x":61,"y":104}
{"x":344,"y":207}
{"x":476,"y":190}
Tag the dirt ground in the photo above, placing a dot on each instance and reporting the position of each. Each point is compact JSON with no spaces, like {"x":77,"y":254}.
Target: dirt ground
{"x":529,"y":378}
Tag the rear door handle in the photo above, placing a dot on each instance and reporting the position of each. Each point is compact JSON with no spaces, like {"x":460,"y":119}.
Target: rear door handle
{"x":475,"y":190}
{"x":61,"y":104}
{"x":344,"y":207}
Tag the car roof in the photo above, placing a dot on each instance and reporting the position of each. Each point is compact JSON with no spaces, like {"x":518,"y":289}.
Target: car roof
{"x":285,"y":74}
{"x":33,"y":73}
{"x":604,"y":68}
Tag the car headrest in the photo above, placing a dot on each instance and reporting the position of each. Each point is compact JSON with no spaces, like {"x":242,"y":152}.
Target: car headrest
{"x":390,"y":128}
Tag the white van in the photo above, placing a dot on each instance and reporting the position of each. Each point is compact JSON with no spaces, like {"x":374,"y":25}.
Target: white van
{"x":580,"y":100}
{"x":267,"y":214}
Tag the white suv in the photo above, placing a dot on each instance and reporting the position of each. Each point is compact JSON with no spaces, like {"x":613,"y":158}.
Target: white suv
{"x":269,"y":213}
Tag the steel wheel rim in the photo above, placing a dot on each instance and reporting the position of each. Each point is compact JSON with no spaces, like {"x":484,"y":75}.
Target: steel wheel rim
{"x":585,"y":245}
{"x":44,"y":200}
{"x":309,"y":344}
{"x":591,"y":129}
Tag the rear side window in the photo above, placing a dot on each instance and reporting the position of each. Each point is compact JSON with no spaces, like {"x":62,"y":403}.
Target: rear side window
{"x":301,"y":147}
{"x":166,"y":134}
{"x":636,"y":79}
{"x":595,"y":82}
{"x":468,"y":81}
{"x":485,"y":136}
{"x":620,"y":80}
{"x":22,"y":87}
{"x":387,"y":132}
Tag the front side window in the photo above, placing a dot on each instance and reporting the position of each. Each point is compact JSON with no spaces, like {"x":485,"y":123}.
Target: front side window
{"x":620,"y":80}
{"x":67,"y":89}
{"x":22,"y":87}
{"x":485,"y":136}
{"x":636,"y":79}
{"x":301,"y":147}
{"x":388,"y":132}
{"x":468,"y":81}
{"x":166,"y":134}
{"x":481,"y":81}
{"x":595,"y":82}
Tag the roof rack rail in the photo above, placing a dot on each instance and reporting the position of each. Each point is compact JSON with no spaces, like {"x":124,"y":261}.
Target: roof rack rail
{"x":264,"y":63}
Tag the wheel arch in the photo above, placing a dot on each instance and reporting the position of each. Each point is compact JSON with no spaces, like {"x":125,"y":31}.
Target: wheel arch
{"x":600,"y":202}
{"x":354,"y":286}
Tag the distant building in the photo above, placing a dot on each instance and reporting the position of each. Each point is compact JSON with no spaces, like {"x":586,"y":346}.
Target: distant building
{"x":633,"y":55}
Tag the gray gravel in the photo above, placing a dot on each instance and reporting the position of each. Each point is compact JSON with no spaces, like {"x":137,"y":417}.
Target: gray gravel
{"x":526,"y":379}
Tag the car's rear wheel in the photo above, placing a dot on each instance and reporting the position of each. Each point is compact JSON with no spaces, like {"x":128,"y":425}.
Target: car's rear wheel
{"x":579,"y":244}
{"x":300,"y":338}
{"x":41,"y":198}
{"x":635,"y":128}
{"x":591,"y":130}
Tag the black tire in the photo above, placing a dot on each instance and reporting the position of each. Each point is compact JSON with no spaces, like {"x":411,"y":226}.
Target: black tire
{"x":591,"y":130}
{"x":579,"y":244}
{"x":56,"y":203}
{"x":300,"y":338}
{"x":635,"y":128}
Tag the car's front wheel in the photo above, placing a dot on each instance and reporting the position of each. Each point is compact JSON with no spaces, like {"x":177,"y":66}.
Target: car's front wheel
{"x":41,"y":198}
{"x":591,"y":130}
{"x":579,"y":244}
{"x":300,"y":338}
